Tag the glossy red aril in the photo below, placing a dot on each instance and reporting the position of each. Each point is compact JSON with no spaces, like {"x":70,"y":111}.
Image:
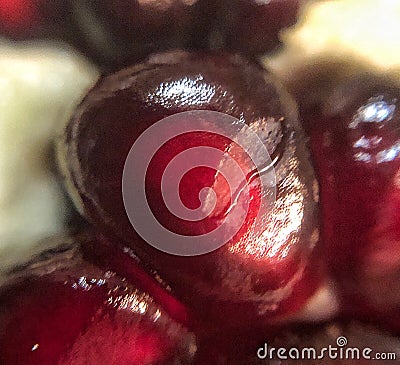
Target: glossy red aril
{"x":259,"y":273}
{"x":63,"y":310}
{"x":355,"y":142}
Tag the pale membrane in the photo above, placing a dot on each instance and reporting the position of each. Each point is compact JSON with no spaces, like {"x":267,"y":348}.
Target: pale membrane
{"x":40,"y":85}
{"x":353,"y":33}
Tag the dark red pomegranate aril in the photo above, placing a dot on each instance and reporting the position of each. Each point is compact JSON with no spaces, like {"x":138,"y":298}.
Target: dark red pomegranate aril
{"x":121,"y":259}
{"x":116,"y":33}
{"x":268,"y":277}
{"x":102,"y":252}
{"x":247,"y":26}
{"x":41,"y":319}
{"x":355,"y":147}
{"x":152,"y":25}
{"x":194,"y":180}
{"x":212,"y":347}
{"x":64,"y":310}
{"x":255,"y":27}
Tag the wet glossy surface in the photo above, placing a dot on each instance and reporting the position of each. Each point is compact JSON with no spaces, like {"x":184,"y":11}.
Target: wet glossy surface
{"x":354,"y":143}
{"x":63,"y":310}
{"x":268,"y":271}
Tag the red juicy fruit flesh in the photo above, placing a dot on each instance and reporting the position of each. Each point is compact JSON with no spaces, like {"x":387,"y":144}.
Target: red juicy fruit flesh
{"x":268,"y":273}
{"x":211,"y":345}
{"x":64,"y":310}
{"x":44,"y":313}
{"x":196,"y":179}
{"x":358,"y":167}
{"x":100,"y":251}
{"x":121,"y":259}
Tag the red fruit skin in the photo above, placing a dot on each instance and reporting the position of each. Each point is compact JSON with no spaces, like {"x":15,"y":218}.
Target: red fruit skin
{"x":100,"y":251}
{"x":63,"y":310}
{"x":268,"y":277}
{"x":358,"y":166}
{"x":36,"y":312}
